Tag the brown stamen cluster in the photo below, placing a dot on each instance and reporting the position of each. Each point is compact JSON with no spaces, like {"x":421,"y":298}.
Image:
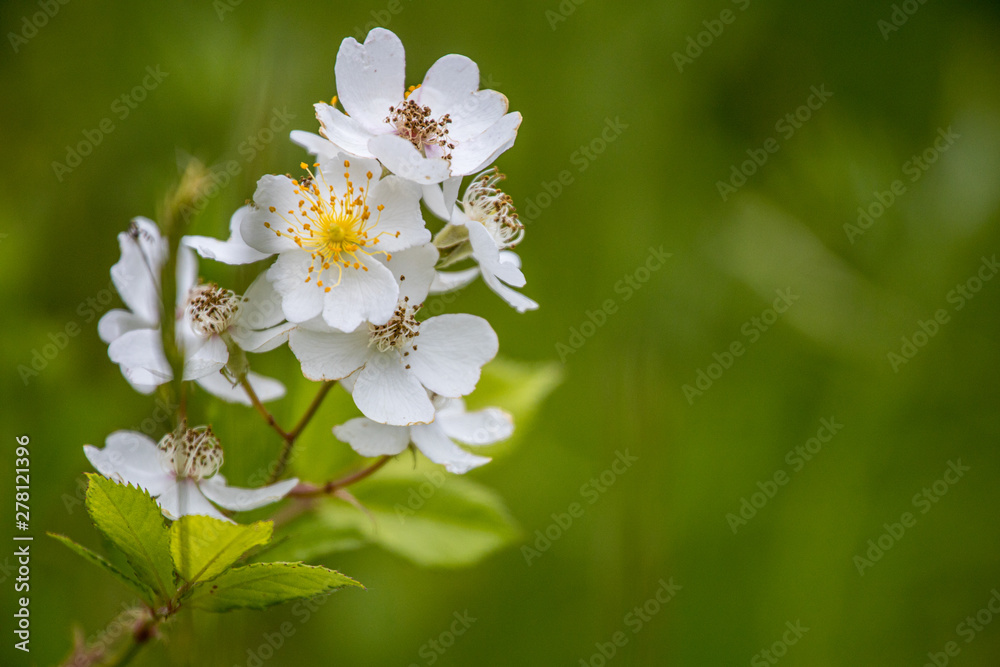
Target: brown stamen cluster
{"x":399,"y":330}
{"x":191,"y":452}
{"x":212,"y":309}
{"x":414,"y":123}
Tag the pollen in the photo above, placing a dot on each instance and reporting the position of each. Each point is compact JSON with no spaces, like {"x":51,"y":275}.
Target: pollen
{"x":415,"y":124}
{"x":397,"y":333}
{"x":193,"y":452}
{"x":490,"y":206}
{"x":336,"y":226}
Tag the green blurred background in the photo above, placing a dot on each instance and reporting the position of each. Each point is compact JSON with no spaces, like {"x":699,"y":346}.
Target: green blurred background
{"x":654,"y":184}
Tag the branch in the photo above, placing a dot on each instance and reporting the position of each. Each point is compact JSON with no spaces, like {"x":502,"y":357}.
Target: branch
{"x":268,"y":417}
{"x":306,"y":490}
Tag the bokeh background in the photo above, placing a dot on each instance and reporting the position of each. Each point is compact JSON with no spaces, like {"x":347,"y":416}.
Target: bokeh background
{"x":577,"y":70}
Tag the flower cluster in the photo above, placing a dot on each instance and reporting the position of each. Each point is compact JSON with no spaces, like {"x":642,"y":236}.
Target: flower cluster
{"x":351,"y":262}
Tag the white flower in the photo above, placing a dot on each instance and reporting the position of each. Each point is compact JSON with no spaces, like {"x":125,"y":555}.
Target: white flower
{"x":181,"y":472}
{"x":488,"y":216}
{"x":329,"y":231}
{"x":401,"y":360}
{"x":234,"y":250}
{"x":445,"y":127}
{"x":204,"y":313}
{"x":482,"y":427}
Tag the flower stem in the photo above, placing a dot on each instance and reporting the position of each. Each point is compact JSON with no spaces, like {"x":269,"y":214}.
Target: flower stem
{"x":305,"y":490}
{"x":268,"y":417}
{"x":289,"y":437}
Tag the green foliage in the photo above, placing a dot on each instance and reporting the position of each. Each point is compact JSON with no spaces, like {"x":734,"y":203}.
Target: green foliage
{"x":100,"y":561}
{"x":428,"y":518}
{"x":200,"y":549}
{"x":262,"y":585}
{"x":131,"y":519}
{"x":203,"y":547}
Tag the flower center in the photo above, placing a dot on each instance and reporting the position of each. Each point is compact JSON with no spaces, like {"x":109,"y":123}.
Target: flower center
{"x":415,"y":124}
{"x":212,"y":309}
{"x":491,"y":207}
{"x":334,"y":229}
{"x":401,"y":328}
{"x":191,"y":452}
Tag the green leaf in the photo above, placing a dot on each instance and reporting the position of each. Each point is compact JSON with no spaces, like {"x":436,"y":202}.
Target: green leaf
{"x":312,"y":536}
{"x":131,"y":519}
{"x":261,"y":585}
{"x":518,"y":387}
{"x":99,"y":560}
{"x":203,"y":547}
{"x":430,"y":518}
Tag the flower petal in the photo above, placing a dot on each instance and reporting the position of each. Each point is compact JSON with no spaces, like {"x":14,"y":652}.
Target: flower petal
{"x":261,"y":341}
{"x":449,"y":281}
{"x":451,"y":350}
{"x":241,"y":500}
{"x":389,"y":394}
{"x":137,"y":274}
{"x":129,"y":457}
{"x":208,"y":358}
{"x":370,"y":438}
{"x":451,"y":86}
{"x":475,"y":154}
{"x":403,"y":159}
{"x":260,"y":307}
{"x":435,"y":445}
{"x":520,"y":302}
{"x":277,"y":192}
{"x":481,"y":427}
{"x":300,"y":301}
{"x":341,"y":132}
{"x":141,"y":349}
{"x":329,"y":355}
{"x":400,"y":224}
{"x":413,"y":270}
{"x":370,"y":77}
{"x":487,"y":254}
{"x":234,"y":250}
{"x":361,"y":296}
{"x":183,"y":498}
{"x":117,"y":322}
{"x":440,"y":199}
